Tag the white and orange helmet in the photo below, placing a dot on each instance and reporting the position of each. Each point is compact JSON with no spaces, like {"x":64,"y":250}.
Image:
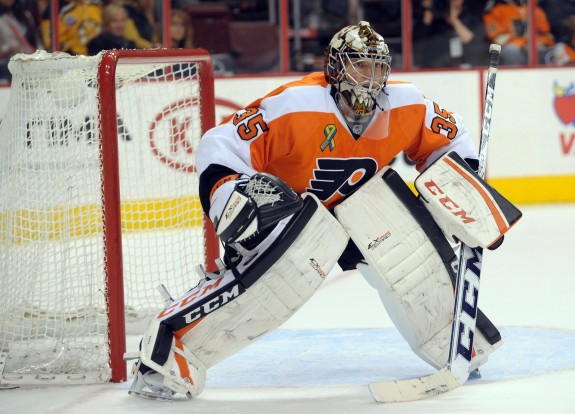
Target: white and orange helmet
{"x":357,"y":63}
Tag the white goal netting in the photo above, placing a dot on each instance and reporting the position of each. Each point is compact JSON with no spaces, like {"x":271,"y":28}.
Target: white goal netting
{"x":53,"y":263}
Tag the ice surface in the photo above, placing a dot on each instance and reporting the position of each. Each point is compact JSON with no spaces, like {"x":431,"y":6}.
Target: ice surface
{"x":323,"y":357}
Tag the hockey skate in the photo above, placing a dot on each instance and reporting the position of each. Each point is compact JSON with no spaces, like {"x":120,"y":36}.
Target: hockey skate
{"x":150,"y":384}
{"x":179,"y":372}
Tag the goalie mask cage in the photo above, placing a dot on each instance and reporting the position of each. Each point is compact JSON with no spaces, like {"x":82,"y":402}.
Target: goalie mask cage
{"x":98,"y":205}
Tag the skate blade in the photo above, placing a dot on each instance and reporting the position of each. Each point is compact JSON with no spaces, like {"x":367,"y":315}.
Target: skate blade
{"x":140,"y":388}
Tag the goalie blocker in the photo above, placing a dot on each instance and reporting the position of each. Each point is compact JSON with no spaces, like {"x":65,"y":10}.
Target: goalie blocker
{"x":408,"y":258}
{"x":464,"y":206}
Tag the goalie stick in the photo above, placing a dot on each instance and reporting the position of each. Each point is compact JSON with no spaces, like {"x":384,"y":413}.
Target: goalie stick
{"x":456,"y":371}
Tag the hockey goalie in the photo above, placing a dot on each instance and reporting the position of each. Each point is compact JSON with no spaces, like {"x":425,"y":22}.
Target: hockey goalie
{"x":299,"y":182}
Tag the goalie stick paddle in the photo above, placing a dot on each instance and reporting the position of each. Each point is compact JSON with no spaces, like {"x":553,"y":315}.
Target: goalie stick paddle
{"x":456,"y":371}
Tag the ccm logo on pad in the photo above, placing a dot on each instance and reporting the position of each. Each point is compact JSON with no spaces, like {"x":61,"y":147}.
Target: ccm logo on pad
{"x":213,"y":304}
{"x":447,"y":202}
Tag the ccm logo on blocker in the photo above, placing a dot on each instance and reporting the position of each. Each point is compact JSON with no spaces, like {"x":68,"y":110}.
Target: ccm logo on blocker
{"x":448,"y":203}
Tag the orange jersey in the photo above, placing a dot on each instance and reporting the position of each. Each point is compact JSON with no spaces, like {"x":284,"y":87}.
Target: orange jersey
{"x":298,"y":134}
{"x":508,"y":19}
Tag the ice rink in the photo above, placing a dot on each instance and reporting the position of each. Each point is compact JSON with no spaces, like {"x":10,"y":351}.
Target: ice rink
{"x":323,"y":358}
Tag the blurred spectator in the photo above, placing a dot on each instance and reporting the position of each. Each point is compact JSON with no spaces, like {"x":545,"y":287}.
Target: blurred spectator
{"x":36,"y":9}
{"x":564,"y":51}
{"x":142,"y":27}
{"x":79,"y":22}
{"x":17,"y":34}
{"x":385,"y":19}
{"x":181,"y":38}
{"x":181,"y":30}
{"x":114,"y":20}
{"x":212,"y":31}
{"x":557,"y":11}
{"x":448,"y":33}
{"x":334,"y":15}
{"x":178,"y":4}
{"x":506,"y":23}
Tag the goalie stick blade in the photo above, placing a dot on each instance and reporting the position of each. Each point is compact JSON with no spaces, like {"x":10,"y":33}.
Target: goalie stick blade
{"x":414,"y":389}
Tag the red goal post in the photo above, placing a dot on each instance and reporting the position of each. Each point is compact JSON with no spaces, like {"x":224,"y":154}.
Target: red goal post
{"x":98,"y":205}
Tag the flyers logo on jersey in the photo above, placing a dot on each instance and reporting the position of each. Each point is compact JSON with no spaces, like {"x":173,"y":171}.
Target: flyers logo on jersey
{"x":340,"y":176}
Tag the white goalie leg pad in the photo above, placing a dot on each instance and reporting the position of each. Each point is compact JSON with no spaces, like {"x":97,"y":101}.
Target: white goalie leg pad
{"x":221,"y":316}
{"x":463,"y":205}
{"x":275,"y":295}
{"x":404,"y":266}
{"x":432,"y":348}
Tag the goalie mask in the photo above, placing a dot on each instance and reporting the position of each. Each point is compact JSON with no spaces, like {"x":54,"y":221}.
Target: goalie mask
{"x":357,"y":64}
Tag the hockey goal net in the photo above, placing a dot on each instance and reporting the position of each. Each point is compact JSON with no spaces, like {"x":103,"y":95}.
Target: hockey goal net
{"x":98,"y":205}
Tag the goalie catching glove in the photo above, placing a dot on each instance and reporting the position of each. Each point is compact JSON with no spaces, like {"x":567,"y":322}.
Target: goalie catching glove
{"x":254,"y":205}
{"x":464,"y":206}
